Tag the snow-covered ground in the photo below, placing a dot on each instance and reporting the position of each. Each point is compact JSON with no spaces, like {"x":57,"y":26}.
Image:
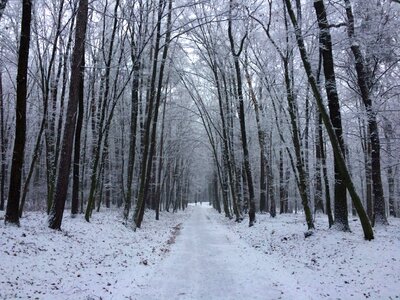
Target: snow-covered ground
{"x":103,"y":259}
{"x":196,"y":254}
{"x":329,"y":264}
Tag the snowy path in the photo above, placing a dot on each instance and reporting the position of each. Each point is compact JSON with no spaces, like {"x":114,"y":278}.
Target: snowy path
{"x":209,"y":262}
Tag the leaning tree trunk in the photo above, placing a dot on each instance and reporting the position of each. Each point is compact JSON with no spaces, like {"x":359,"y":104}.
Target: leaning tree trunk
{"x":366,"y":225}
{"x":60,"y":196}
{"x":14,"y":192}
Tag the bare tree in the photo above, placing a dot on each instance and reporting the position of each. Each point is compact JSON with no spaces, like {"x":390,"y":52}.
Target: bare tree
{"x":239,"y":87}
{"x":364,"y":80}
{"x":368,"y":232}
{"x":341,"y":215}
{"x":57,"y":209}
{"x":3,"y":149}
{"x":14,"y":192}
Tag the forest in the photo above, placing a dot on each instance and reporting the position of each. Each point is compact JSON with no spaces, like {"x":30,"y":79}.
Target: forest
{"x":254,"y":106}
{"x":270,"y":111}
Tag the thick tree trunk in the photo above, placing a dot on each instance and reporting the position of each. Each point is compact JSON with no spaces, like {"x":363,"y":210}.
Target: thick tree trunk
{"x":341,"y":221}
{"x":57,"y":209}
{"x":14,"y":192}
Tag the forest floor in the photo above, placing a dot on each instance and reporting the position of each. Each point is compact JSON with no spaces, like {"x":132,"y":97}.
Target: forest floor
{"x":196,"y":254}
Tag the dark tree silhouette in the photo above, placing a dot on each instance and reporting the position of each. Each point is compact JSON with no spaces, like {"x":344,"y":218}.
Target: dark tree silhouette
{"x":14,"y":193}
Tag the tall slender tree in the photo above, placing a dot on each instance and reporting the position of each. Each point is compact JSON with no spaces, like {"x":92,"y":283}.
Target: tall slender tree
{"x":77,"y":143}
{"x":3,"y":147}
{"x":57,"y":209}
{"x":242,"y":119}
{"x":364,"y":80}
{"x":14,"y":192}
{"x":325,"y":43}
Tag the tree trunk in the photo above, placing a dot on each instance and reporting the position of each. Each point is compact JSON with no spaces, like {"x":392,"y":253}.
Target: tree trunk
{"x":3,"y":4}
{"x":318,"y":203}
{"x":341,"y":221}
{"x":77,"y":143}
{"x":368,"y":232}
{"x":389,"y":136}
{"x":158,"y":93}
{"x":262,"y":143}
{"x":364,"y":84}
{"x":57,"y":209}
{"x":133,"y":130}
{"x":150,"y":107}
{"x":302,"y":175}
{"x":14,"y":192}
{"x":101,"y":129}
{"x":282,"y":186}
{"x":3,"y":148}
{"x":242,"y":120}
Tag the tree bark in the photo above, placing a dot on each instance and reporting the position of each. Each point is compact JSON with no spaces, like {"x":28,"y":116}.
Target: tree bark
{"x":242,"y":120}
{"x":3,"y":148}
{"x":14,"y":192}
{"x":368,"y":232}
{"x":150,"y":107}
{"x":161,"y":73}
{"x":77,"y":143}
{"x":302,"y":175}
{"x":261,"y":141}
{"x":364,"y":84}
{"x":57,"y":209}
{"x":389,"y":136}
{"x":94,"y":176}
{"x":3,"y":4}
{"x":341,"y":221}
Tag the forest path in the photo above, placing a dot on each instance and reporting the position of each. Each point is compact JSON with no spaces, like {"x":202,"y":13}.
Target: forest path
{"x":210,"y":262}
